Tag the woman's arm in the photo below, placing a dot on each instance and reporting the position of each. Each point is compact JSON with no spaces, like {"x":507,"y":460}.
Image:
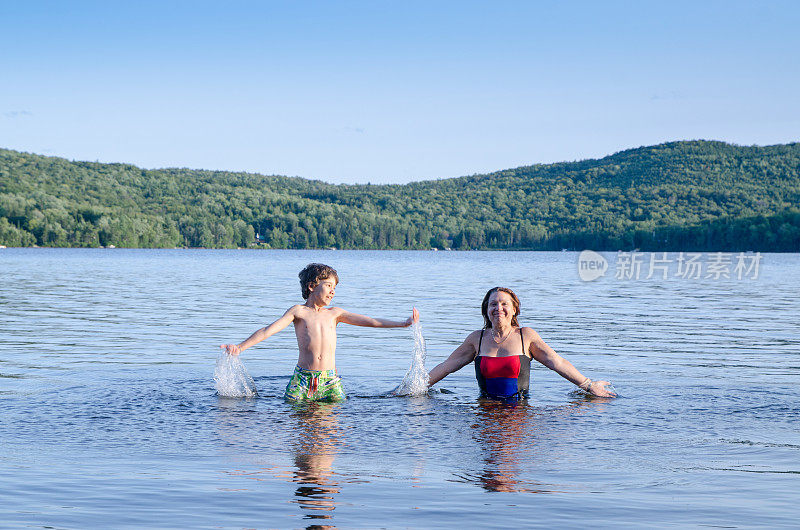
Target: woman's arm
{"x":546,"y":355}
{"x":360,"y":320}
{"x":261,"y":334}
{"x":461,"y":356}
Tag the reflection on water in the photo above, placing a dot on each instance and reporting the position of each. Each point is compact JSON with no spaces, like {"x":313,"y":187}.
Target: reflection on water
{"x":265,"y":428}
{"x":315,"y":448}
{"x":508,"y":434}
{"x":503,"y":430}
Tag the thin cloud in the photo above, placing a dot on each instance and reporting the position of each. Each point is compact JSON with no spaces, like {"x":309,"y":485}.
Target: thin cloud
{"x":668,"y":95}
{"x":17,"y":114}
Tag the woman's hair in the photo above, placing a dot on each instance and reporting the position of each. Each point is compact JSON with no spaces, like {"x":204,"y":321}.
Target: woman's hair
{"x":313,"y":274}
{"x":485,"y":306}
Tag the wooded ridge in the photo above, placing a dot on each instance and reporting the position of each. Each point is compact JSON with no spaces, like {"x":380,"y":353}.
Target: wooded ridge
{"x":689,"y":195}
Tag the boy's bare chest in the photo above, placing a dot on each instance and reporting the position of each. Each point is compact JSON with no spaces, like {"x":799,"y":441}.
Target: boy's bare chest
{"x":318,"y":321}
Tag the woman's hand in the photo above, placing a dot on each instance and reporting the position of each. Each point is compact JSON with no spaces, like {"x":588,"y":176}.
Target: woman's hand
{"x":231,"y":349}
{"x":598,"y":388}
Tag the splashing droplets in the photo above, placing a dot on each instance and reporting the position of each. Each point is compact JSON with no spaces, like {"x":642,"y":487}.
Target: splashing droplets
{"x":415,"y":382}
{"x":231,"y":378}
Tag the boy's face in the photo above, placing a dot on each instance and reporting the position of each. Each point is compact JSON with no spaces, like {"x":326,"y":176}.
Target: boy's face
{"x":325,"y":290}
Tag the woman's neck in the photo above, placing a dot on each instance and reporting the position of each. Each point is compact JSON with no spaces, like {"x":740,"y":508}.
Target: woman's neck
{"x":502,"y":329}
{"x":500,"y":332}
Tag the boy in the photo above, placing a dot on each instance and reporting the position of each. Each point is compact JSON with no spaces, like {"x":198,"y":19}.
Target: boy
{"x":315,"y":377}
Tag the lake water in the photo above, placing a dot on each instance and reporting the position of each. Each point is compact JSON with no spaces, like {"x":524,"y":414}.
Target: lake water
{"x":109,"y":417}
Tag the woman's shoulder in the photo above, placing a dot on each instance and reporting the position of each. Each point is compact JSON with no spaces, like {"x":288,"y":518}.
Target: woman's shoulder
{"x":475,"y":335}
{"x":528,"y":333}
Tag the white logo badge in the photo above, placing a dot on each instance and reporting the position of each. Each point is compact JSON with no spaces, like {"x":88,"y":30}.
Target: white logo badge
{"x":591,"y":265}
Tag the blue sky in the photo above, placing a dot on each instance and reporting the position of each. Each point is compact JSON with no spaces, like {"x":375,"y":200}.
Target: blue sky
{"x":391,"y":91}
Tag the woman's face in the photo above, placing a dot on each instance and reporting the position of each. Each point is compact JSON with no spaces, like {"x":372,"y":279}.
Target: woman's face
{"x":500,"y":308}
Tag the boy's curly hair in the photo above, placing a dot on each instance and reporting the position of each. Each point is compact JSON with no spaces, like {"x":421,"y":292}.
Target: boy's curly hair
{"x":313,"y":274}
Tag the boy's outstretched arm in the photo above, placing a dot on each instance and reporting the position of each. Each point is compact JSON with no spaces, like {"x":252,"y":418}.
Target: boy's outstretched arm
{"x":261,"y":334}
{"x":360,"y":320}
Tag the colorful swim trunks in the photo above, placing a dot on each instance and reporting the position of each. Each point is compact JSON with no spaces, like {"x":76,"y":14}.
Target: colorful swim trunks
{"x":314,"y":385}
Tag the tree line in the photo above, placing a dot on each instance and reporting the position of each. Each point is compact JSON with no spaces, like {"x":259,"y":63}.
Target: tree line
{"x":696,"y":195}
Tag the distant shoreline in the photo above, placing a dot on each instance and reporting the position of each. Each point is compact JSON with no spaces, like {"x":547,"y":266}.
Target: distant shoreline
{"x":676,"y":196}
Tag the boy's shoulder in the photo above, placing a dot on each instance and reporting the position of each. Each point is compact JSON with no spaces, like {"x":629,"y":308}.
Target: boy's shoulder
{"x":302,"y":309}
{"x":297,"y":310}
{"x":335,"y":311}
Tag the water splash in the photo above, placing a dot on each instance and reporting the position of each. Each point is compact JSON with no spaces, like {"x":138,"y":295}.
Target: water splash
{"x":231,"y":378}
{"x":415,"y":382}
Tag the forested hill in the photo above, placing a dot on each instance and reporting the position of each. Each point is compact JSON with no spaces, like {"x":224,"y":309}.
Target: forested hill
{"x":696,"y":195}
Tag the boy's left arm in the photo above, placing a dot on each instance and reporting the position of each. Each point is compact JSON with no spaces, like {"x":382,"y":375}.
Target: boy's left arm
{"x":361,"y":320}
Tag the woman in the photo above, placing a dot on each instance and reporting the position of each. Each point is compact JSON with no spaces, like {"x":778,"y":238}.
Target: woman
{"x":503,"y":350}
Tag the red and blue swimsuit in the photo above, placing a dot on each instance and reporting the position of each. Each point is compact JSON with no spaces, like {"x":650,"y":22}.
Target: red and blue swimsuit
{"x":505,"y":377}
